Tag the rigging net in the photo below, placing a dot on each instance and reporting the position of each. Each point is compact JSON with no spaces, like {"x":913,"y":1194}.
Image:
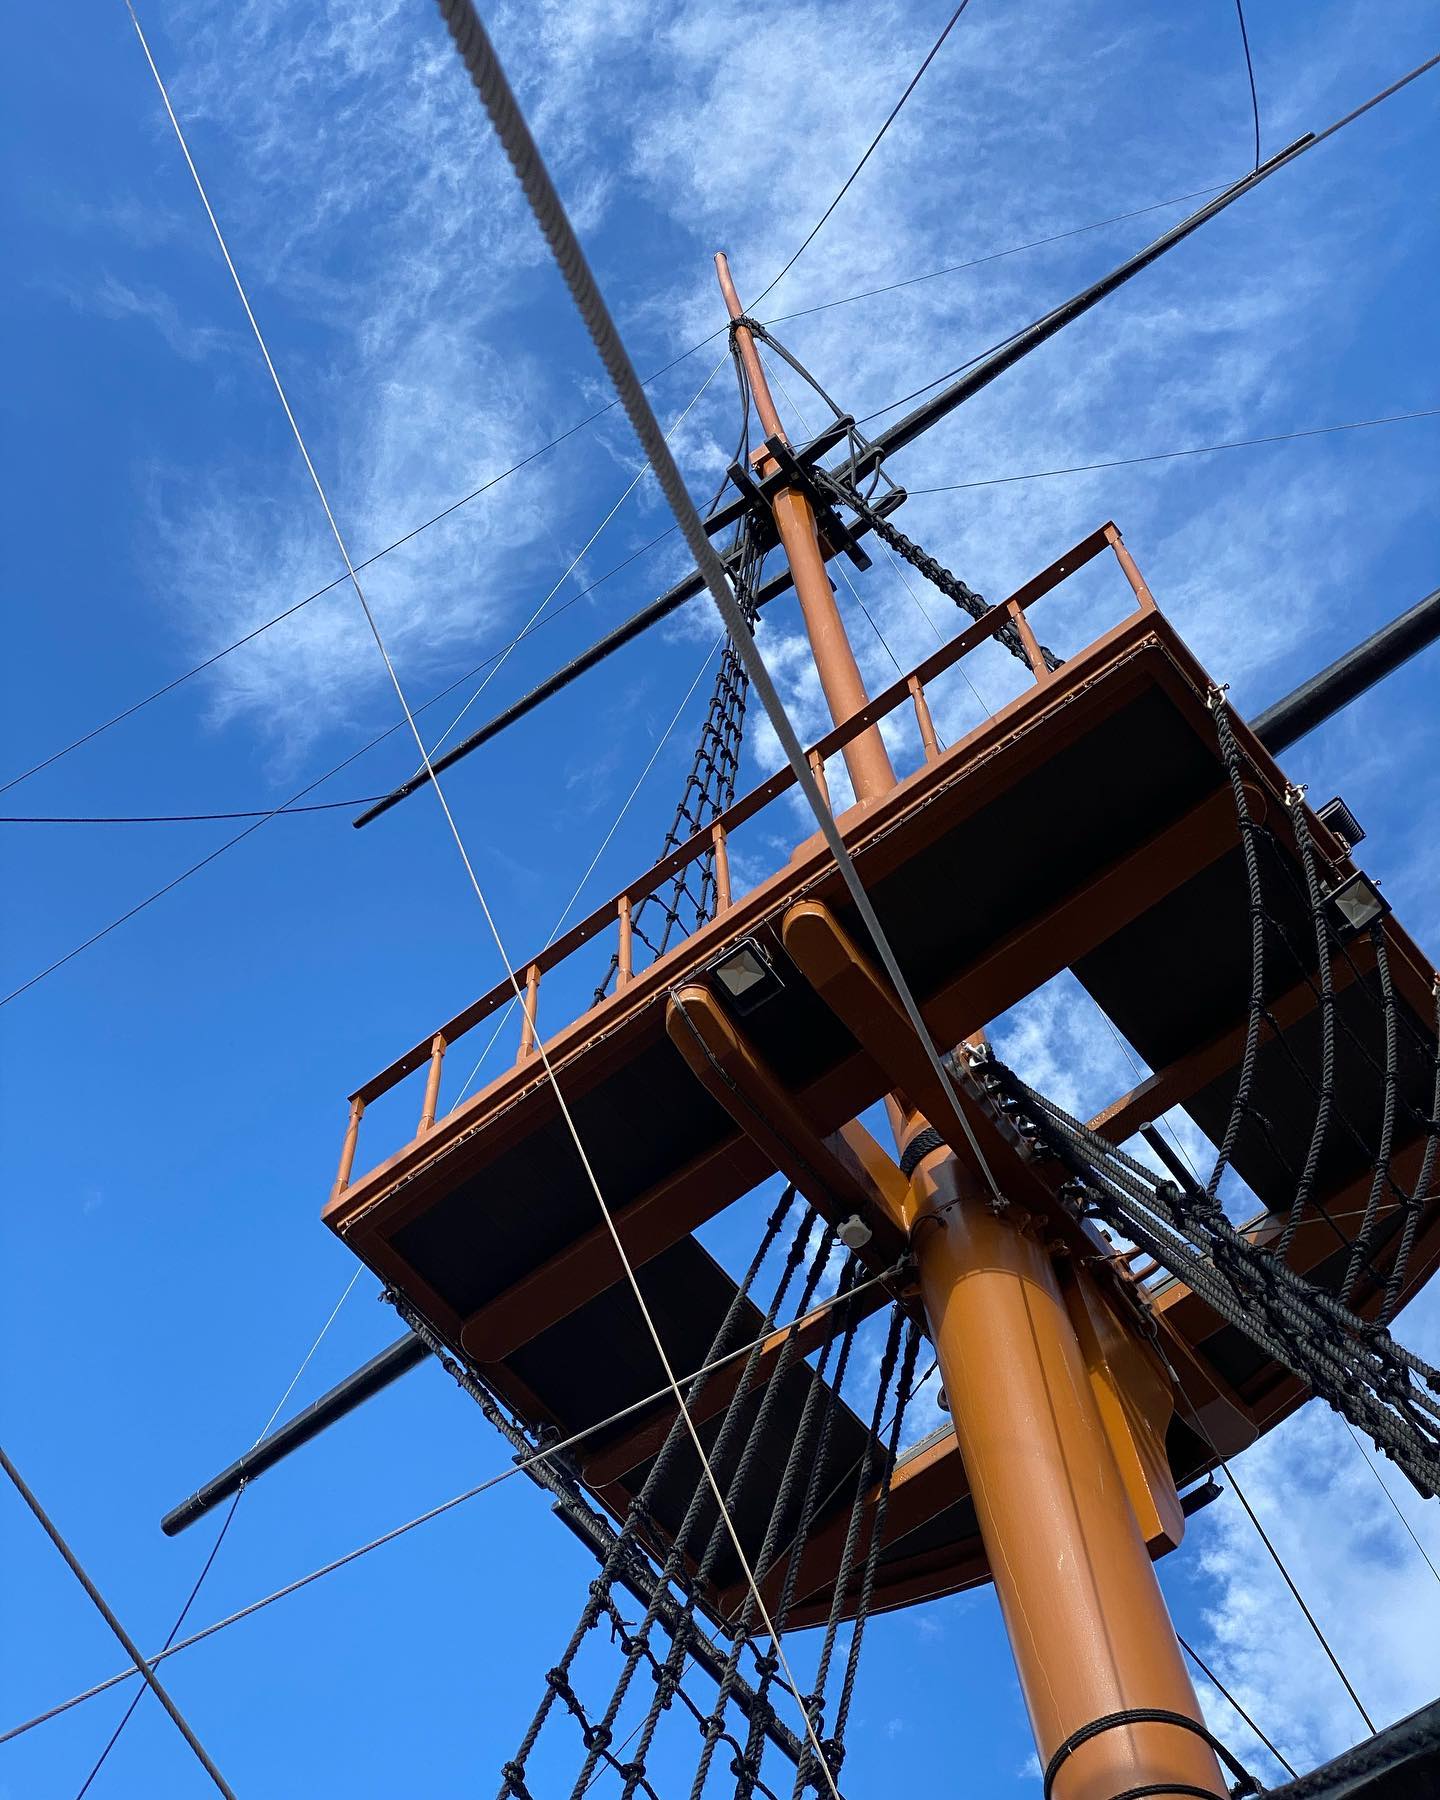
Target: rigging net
{"x":1370,"y":1068}
{"x":694,"y":895}
{"x":685,"y":1629}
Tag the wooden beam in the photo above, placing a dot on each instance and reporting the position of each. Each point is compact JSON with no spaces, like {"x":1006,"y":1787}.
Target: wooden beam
{"x":1178,"y":1081}
{"x":833,"y":1178}
{"x":640,"y":1438}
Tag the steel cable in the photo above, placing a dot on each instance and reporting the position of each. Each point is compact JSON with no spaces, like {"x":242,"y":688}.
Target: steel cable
{"x":519,"y":1467}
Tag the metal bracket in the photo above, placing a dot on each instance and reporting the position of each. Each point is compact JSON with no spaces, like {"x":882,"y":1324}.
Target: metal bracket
{"x":796,"y":469}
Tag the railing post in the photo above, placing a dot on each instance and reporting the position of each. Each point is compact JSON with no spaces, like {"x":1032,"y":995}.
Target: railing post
{"x":347,"y":1149}
{"x":817,"y":769}
{"x":1029,"y":640}
{"x":432,"y":1084}
{"x":527,"y":1027}
{"x":722,"y":868}
{"x":626,"y":959}
{"x":1127,"y":562}
{"x":923,"y":719}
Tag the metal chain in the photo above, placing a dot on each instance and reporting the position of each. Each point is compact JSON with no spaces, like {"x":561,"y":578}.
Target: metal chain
{"x":933,"y":570}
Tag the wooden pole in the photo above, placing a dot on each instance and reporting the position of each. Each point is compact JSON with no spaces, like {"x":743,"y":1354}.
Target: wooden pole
{"x":871,"y":772}
{"x":1083,"y":1610}
{"x":1081,"y":1604}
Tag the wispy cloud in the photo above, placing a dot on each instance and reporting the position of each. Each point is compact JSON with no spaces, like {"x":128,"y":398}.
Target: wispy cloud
{"x":112,"y":298}
{"x":1360,"y":1573}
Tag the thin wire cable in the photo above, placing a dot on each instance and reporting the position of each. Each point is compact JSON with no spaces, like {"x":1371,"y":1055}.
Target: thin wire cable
{"x":664,"y":467}
{"x":489,"y":79}
{"x":1274,"y":1554}
{"x":174,"y":1632}
{"x":579,"y":555}
{"x":255,"y":812}
{"x":1232,"y":1702}
{"x":1300,"y":148}
{"x":263,"y":818}
{"x":975,"y":262}
{"x":512,"y":1469}
{"x":845,"y":187}
{"x":1250,"y":72}
{"x":533,"y":456}
{"x":305,"y":1360}
{"x":143,"y":1668}
{"x":660,"y":744}
{"x":289,"y":806}
{"x":340,"y":580}
{"x":1384,"y":1489}
{"x":1125,"y":462}
{"x":1329,"y":131}
{"x":954,"y":486}
{"x":209,"y":1562}
{"x":1310,"y":1619}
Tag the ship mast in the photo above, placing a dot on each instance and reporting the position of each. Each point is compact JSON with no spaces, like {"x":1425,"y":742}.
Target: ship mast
{"x":871,"y":772}
{"x":1110,"y":1702}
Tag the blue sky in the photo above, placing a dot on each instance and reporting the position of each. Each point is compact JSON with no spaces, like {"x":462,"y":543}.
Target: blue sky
{"x":173,"y":1099}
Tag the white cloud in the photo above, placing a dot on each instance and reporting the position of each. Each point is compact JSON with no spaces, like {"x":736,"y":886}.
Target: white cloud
{"x":383,"y":234}
{"x":427,"y":343}
{"x":112,"y":298}
{"x":1361,"y":1575}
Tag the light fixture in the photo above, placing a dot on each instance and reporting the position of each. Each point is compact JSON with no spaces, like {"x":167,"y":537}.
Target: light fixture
{"x":1340,"y":822}
{"x":747,"y":976}
{"x":1356,"y":903}
{"x":854,"y":1233}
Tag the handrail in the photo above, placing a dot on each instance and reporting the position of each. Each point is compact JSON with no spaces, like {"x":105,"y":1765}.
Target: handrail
{"x":715,"y":831}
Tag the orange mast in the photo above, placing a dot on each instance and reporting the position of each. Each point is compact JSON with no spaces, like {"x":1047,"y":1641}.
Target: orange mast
{"x":1087,"y":1624}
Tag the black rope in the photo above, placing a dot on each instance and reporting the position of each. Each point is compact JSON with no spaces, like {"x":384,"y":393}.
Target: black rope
{"x":1250,"y":72}
{"x":709,"y":790}
{"x":713,"y":1723}
{"x":806,"y":1774}
{"x":1231,"y":1701}
{"x":1279,"y":1563}
{"x":809,"y":1506}
{"x":638,"y":1513}
{"x":1357,"y":1367}
{"x":848,"y":492}
{"x":935,"y":572}
{"x":798,"y":1458}
{"x":1152,"y":1715}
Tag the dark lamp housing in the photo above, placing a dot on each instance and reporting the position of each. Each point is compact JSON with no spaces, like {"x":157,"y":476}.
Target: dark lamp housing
{"x":747,"y":976}
{"x":1356,"y":903}
{"x":1338,"y":819}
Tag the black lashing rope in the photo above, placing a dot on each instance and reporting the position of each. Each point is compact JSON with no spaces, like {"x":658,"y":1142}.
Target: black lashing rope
{"x":718,"y":1539}
{"x":709,"y":790}
{"x":701,"y":1500}
{"x":798,"y":1458}
{"x":935,"y":572}
{"x":806,"y":1774}
{"x":1357,"y":1367}
{"x":513,"y":1772}
{"x":835,"y":1744}
{"x":794,"y":1550}
{"x":1245,"y":1782}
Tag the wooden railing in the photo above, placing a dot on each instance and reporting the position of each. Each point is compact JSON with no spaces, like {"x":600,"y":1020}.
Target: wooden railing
{"x":617,"y":913}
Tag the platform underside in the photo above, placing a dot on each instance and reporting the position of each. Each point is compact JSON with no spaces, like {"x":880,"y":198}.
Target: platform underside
{"x":1088,"y":826}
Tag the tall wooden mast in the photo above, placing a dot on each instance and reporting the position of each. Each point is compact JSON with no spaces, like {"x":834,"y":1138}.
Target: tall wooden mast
{"x":865,"y":755}
{"x":1021,"y":1360}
